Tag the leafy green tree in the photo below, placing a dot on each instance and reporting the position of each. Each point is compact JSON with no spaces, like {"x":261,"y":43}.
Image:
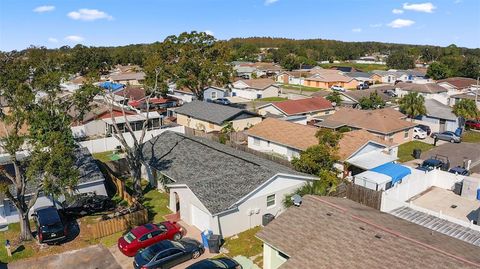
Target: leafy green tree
{"x":334,"y":97}
{"x":400,"y":60}
{"x":471,"y":68}
{"x":466,"y":109}
{"x":374,"y":101}
{"x":290,"y":62}
{"x":413,"y":105}
{"x":438,"y":70}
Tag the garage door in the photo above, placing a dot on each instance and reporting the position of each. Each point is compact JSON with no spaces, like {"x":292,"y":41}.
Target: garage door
{"x":200,"y":219}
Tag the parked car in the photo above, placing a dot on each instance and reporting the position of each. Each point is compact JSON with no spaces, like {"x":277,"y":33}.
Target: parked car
{"x":458,"y":170}
{"x":167,"y":254}
{"x":220,"y":263}
{"x":473,"y":124}
{"x":51,"y":227}
{"x":337,"y":88}
{"x":390,"y":93}
{"x":436,"y":162}
{"x":88,"y":203}
{"x":222,"y":101}
{"x":147,"y":235}
{"x":363,"y":86}
{"x":426,"y":128}
{"x":418,"y":133}
{"x":447,"y":136}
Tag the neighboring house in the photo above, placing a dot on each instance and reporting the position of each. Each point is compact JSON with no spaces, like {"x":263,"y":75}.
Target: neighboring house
{"x":210,"y":117}
{"x":244,"y":70}
{"x":439,"y":117}
{"x":184,"y":94}
{"x":352,"y":98}
{"x":309,"y":107}
{"x":469,"y":95}
{"x":90,"y":180}
{"x":327,"y":78}
{"x":255,"y":88}
{"x":332,"y":232}
{"x":111,"y":86}
{"x":387,"y":123}
{"x":73,"y":84}
{"x":130,"y":78}
{"x":212,"y":93}
{"x":427,"y":90}
{"x":457,"y":84}
{"x":215,"y":187}
{"x":130,"y":94}
{"x":361,"y":76}
{"x":392,"y":75}
{"x":292,"y":77}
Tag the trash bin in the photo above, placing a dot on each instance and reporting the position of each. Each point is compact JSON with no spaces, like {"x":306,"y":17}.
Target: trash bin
{"x":417,"y":153}
{"x":478,"y":198}
{"x":267,"y":218}
{"x":214,"y":242}
{"x":205,"y":235}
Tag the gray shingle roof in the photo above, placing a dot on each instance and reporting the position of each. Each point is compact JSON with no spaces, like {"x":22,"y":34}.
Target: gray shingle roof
{"x":439,"y":110}
{"x":212,"y":112}
{"x":217,"y":174}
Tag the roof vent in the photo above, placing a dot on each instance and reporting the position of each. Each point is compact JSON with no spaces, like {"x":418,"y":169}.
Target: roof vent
{"x":361,"y":228}
{"x":378,"y":236}
{"x":329,"y":214}
{"x":453,"y":206}
{"x":296,"y":199}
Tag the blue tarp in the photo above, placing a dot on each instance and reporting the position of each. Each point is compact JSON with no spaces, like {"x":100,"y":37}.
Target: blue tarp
{"x":107,"y":85}
{"x":395,"y":171}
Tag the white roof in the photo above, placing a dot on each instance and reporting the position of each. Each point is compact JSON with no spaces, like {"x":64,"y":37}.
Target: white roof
{"x":374,"y":177}
{"x":130,"y":118}
{"x":371,"y":160}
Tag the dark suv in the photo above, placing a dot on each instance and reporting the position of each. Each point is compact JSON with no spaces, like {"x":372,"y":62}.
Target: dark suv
{"x":51,"y":228}
{"x":437,"y":162}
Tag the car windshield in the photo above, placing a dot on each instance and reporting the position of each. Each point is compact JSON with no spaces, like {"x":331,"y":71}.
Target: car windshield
{"x":147,"y":254}
{"x":178,"y":245}
{"x":54,"y":227}
{"x":162,"y":227}
{"x":129,"y":237}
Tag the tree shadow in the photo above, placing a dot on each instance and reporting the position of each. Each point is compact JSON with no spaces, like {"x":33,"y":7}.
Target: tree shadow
{"x":19,"y":249}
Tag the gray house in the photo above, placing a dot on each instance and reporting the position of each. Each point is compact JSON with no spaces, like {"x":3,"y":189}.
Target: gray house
{"x":91,"y":180}
{"x":439,"y":117}
{"x":215,"y":187}
{"x":212,"y":93}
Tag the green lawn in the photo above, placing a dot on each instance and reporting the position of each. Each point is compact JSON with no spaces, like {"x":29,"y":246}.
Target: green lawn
{"x":405,"y":150}
{"x":19,"y":251}
{"x":156,"y":202}
{"x":246,"y":244}
{"x":301,"y":88}
{"x":363,"y":67}
{"x":471,"y":137}
{"x":272,"y":99}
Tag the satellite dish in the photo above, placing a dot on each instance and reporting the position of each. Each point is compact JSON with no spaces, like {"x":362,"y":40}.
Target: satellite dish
{"x":297,"y":200}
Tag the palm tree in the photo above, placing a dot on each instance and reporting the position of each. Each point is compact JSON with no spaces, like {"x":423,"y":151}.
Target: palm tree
{"x":413,"y":104}
{"x":466,"y":109}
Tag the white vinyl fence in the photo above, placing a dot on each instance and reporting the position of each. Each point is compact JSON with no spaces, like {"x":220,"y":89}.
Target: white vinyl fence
{"x":110,"y":143}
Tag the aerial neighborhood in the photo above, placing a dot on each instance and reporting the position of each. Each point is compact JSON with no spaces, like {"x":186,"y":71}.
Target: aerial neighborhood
{"x":195,"y":152}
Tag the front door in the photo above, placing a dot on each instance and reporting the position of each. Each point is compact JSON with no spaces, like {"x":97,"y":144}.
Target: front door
{"x":442,"y":125}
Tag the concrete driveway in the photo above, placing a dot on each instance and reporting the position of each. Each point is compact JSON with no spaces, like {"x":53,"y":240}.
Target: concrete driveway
{"x":457,"y":153}
{"x":93,"y":257}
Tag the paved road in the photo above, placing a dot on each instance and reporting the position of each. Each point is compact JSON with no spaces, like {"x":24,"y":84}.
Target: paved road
{"x":94,"y":257}
{"x":456,"y":153}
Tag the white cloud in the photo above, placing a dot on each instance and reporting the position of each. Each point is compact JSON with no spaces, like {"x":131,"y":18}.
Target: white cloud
{"x":400,"y":23}
{"x":269,"y":2}
{"x":356,"y":30}
{"x":85,"y":14}
{"x":376,"y":25}
{"x":42,"y":9}
{"x":74,"y":38}
{"x":208,"y":32}
{"x":397,"y":11}
{"x":423,"y":7}
{"x":52,"y":40}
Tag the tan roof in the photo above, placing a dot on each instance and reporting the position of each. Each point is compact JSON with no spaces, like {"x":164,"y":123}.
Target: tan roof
{"x":330,"y":77}
{"x":459,"y":82}
{"x":78,"y":80}
{"x":259,"y":83}
{"x":384,"y":121}
{"x":286,"y":133}
{"x":268,"y":66}
{"x":423,"y":88}
{"x":128,"y":76}
{"x":331,"y":232}
{"x":352,"y":141}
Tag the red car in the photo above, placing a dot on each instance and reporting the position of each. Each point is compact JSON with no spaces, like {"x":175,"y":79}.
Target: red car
{"x":473,"y":124}
{"x":146,"y":235}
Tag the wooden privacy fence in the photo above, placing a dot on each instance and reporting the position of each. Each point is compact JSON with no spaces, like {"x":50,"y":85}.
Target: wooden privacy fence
{"x":118,"y":224}
{"x":364,"y":196}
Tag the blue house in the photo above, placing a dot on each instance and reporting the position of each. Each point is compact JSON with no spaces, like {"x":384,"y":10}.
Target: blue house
{"x":212,"y":93}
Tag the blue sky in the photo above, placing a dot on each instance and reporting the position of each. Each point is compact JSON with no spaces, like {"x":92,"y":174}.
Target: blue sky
{"x":54,"y":23}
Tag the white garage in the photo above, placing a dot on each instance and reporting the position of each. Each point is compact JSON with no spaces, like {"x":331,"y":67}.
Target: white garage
{"x":200,"y":218}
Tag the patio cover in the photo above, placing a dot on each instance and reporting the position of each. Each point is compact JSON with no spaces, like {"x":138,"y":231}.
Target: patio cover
{"x":371,"y":160}
{"x":395,"y":171}
{"x":374,"y":177}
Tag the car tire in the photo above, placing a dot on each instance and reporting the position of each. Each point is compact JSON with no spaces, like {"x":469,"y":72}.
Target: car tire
{"x":195,"y":254}
{"x":177,"y":236}
{"x":452,"y":141}
{"x":416,"y":137}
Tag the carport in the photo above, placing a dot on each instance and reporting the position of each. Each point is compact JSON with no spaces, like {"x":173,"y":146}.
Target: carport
{"x":371,"y":160}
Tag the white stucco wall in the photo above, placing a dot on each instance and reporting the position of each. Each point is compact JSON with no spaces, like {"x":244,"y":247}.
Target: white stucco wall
{"x":271,"y":259}
{"x":253,"y":94}
{"x":266,"y":146}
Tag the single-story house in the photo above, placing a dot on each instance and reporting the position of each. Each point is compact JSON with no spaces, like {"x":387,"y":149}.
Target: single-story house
{"x":183,"y":94}
{"x":212,"y":93}
{"x":90,"y":179}
{"x":439,"y":117}
{"x":427,"y":90}
{"x":387,"y":123}
{"x":292,"y":77}
{"x":129,"y":78}
{"x":130,"y":94}
{"x":333,"y":232}
{"x":361,"y":76}
{"x":325,"y":79}
{"x":352,"y":98}
{"x":469,"y":95}
{"x":457,"y":84}
{"x":211,"y":117}
{"x":255,"y":88}
{"x":310,"y":107}
{"x":215,"y":187}
{"x":392,"y":75}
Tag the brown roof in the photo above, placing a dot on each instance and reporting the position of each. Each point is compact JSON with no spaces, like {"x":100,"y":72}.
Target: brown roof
{"x":286,"y":133}
{"x":306,"y":105}
{"x":384,"y":121}
{"x":358,"y":95}
{"x":331,"y":232}
{"x":352,"y":141}
{"x":132,"y":93}
{"x":329,"y":77}
{"x":259,"y":83}
{"x":268,"y":66}
{"x":459,"y":82}
{"x":128,"y":76}
{"x":424,"y":88}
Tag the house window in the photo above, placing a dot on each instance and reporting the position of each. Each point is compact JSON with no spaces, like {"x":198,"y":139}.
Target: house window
{"x":271,"y":200}
{"x":405,"y":134}
{"x":282,"y":255}
{"x":214,"y":95}
{"x":256,"y":141}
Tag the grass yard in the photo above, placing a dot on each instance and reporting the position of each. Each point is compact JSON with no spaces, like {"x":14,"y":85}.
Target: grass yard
{"x":271,"y":99}
{"x":301,"y":88}
{"x":405,"y":150}
{"x":471,"y":137}
{"x":363,"y":67}
{"x":246,"y":244}
{"x":19,"y":251}
{"x":156,"y":202}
